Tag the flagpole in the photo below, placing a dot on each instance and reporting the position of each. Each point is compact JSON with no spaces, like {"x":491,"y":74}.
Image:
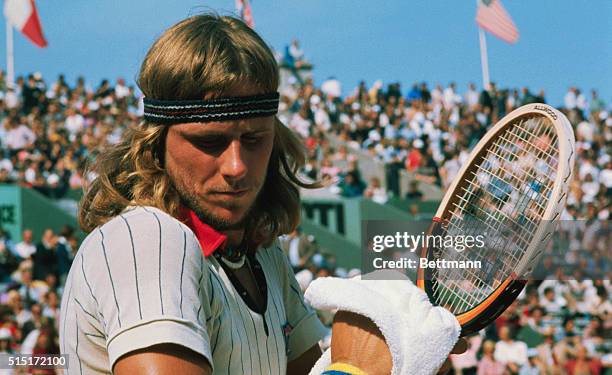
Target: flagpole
{"x":10,"y":58}
{"x":484,"y":59}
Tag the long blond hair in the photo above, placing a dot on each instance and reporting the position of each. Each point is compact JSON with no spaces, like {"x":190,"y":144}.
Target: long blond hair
{"x":204,"y":55}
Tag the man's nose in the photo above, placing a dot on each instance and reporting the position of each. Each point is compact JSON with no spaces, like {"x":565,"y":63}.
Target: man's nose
{"x":232,"y":164}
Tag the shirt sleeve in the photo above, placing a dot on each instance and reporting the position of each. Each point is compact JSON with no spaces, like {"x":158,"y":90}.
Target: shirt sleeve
{"x":305,"y":327}
{"x":147,"y":277}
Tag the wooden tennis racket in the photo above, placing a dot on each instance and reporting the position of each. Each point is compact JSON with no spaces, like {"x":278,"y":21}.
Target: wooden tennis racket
{"x":511,"y":191}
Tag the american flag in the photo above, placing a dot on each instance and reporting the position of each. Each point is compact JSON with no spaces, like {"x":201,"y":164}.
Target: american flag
{"x":243,"y":8}
{"x":492,"y":17}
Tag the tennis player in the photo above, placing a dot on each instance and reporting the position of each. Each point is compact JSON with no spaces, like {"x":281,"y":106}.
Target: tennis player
{"x":181,"y":272}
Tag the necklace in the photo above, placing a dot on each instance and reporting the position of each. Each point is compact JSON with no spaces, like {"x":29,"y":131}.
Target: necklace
{"x":234,"y":253}
{"x":233,"y":256}
{"x":234,"y":264}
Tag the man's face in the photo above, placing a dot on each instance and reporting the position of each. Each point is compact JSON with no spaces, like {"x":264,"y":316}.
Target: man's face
{"x":26,"y":275}
{"x":27,"y":236}
{"x":550,"y":295}
{"x":219,"y":168}
{"x":53,"y":300}
{"x":504,"y":333}
{"x":36,"y":310}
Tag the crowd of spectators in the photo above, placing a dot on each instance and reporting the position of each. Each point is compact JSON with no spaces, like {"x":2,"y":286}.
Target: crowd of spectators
{"x":429,"y":132}
{"x":49,"y":131}
{"x":562,"y":323}
{"x":558,"y":325}
{"x":32,"y":275}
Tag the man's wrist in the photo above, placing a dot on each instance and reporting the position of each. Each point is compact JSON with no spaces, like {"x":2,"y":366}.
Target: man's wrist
{"x":341,"y":368}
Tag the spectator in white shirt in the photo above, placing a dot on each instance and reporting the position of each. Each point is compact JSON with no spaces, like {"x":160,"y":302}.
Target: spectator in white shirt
{"x":570,"y":98}
{"x":511,"y":353}
{"x":31,"y":172}
{"x":7,"y":165}
{"x":451,"y":98}
{"x":471,"y":96}
{"x":26,"y":247}
{"x":581,"y":101}
{"x":376,"y":192}
{"x":436,"y":96}
{"x":549,"y":299}
{"x":321,"y":117}
{"x":587,"y":167}
{"x":586,"y":131}
{"x":590,"y":188}
{"x":121,"y":90}
{"x":18,"y":136}
{"x":605,"y":176}
{"x":332,"y":87}
{"x":74,"y":122}
{"x":295,"y":51}
{"x":52,"y":307}
{"x":300,"y":123}
{"x":450,"y":169}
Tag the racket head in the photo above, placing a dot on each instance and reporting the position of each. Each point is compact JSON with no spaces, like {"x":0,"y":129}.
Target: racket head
{"x":514,"y":186}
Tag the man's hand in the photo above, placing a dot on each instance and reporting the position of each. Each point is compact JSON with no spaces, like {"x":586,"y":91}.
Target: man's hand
{"x":356,"y":340}
{"x":391,"y":328}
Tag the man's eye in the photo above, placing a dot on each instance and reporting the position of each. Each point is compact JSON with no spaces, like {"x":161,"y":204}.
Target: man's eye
{"x":212,"y":142}
{"x":252,"y":139}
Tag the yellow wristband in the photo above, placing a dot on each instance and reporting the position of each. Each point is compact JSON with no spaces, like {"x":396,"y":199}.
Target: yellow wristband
{"x":344,"y":368}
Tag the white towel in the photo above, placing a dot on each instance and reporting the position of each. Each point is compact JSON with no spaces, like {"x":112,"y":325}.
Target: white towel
{"x":419,"y":335}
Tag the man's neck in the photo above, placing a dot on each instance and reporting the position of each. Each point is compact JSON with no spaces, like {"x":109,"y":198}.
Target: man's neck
{"x":234,"y":237}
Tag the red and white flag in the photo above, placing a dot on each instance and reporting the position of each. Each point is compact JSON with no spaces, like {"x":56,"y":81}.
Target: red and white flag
{"x":243,"y":8}
{"x":492,"y":17}
{"x":23,"y":16}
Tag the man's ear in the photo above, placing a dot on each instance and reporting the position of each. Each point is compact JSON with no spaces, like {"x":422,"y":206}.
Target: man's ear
{"x":159,"y":152}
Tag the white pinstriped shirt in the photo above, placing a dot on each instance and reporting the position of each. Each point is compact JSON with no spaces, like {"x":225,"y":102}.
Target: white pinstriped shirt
{"x":141,"y":279}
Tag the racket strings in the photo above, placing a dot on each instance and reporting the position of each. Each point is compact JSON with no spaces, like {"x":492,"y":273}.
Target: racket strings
{"x":504,"y":198}
{"x":493,"y":218}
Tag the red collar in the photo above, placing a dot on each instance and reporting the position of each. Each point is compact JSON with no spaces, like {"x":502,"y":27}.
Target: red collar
{"x":210,"y":240}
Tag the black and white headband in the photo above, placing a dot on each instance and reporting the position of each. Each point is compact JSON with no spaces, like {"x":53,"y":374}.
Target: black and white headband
{"x":220,"y":109}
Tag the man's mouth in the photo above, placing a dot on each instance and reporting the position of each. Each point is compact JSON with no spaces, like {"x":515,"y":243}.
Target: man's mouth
{"x":233,"y":193}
